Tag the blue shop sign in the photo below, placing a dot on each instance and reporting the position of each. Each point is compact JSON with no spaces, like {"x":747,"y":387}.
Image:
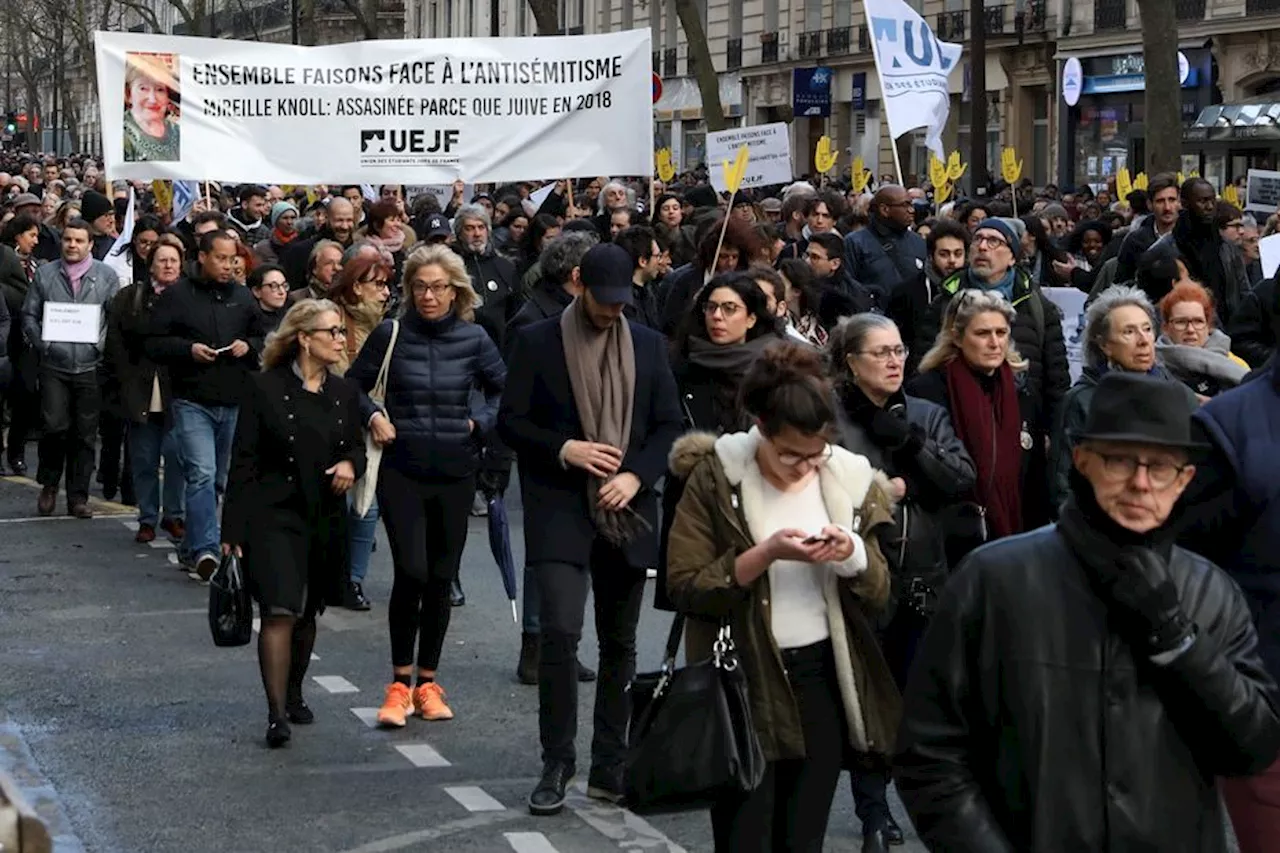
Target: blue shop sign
{"x":1106,"y":84}
{"x":811,"y":91}
{"x":860,"y":91}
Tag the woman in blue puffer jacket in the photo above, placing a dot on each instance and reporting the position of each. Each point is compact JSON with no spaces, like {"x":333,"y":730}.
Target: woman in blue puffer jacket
{"x":431,"y":429}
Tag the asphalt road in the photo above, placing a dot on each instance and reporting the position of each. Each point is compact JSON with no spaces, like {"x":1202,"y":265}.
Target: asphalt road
{"x":132,"y":733}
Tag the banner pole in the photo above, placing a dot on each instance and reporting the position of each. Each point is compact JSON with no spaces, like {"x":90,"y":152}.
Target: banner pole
{"x":875,"y":54}
{"x":208,"y":198}
{"x":715,"y":259}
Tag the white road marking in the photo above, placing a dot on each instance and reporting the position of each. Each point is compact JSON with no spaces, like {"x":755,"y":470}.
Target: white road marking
{"x":529,"y":842}
{"x":161,"y":543}
{"x":96,"y":517}
{"x":422,"y":755}
{"x":475,"y":799}
{"x":368,"y":716}
{"x":627,"y":829}
{"x":131,"y":525}
{"x":335,"y":684}
{"x":315,"y":656}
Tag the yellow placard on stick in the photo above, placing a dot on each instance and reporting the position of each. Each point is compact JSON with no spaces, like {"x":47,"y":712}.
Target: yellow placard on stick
{"x":824,"y":158}
{"x":1231,"y":195}
{"x":861,"y":175}
{"x":1010,"y":165}
{"x":955,"y":169}
{"x":163,"y":191}
{"x":1140,"y":181}
{"x":1124,"y":185}
{"x":666,"y":168}
{"x":733,"y":173}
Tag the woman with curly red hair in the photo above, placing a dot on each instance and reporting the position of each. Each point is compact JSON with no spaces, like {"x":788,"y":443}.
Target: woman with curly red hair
{"x":1191,"y":347}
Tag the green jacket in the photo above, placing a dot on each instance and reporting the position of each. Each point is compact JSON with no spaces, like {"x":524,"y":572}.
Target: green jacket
{"x":713,"y":525}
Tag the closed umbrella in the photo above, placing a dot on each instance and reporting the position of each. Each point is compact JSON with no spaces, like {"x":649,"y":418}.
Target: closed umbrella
{"x":500,"y":545}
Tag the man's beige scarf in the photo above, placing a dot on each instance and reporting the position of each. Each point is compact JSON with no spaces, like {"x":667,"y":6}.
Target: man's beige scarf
{"x":602,"y":374}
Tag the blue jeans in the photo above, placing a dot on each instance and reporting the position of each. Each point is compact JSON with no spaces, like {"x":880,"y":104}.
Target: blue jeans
{"x":361,"y":535}
{"x":204,"y":435}
{"x":147,"y":443}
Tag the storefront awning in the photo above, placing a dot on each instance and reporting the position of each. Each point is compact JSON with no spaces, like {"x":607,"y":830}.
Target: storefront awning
{"x":681,"y":98}
{"x":1231,"y":122}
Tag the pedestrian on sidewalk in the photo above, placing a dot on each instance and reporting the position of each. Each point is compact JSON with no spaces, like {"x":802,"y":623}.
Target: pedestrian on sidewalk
{"x":70,"y":396}
{"x":299,"y":448}
{"x":590,"y":411}
{"x":431,"y":432}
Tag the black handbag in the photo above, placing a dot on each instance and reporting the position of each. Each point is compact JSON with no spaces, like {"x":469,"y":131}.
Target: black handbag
{"x":230,"y":606}
{"x":691,"y":741}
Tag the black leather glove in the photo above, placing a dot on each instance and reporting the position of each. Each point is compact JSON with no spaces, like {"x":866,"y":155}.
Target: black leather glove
{"x":1141,"y":593}
{"x":890,"y":429}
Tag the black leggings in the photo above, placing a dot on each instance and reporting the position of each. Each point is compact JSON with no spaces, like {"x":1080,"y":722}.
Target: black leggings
{"x":788,"y":813}
{"x":426,"y":525}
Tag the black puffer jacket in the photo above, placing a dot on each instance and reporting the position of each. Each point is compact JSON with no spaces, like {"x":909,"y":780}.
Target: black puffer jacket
{"x":1030,"y":724}
{"x":1037,"y":333}
{"x":937,"y":470}
{"x":434,"y":368}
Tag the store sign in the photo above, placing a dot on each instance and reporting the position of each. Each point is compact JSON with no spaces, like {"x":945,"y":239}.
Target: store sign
{"x":811,"y":92}
{"x":1072,"y":81}
{"x":859,"y":91}
{"x":1184,"y":68}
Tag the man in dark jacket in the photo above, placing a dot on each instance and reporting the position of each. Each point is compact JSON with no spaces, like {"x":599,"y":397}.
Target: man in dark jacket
{"x":200,"y":329}
{"x":1165,"y":205}
{"x":560,"y":284}
{"x":1080,"y":686}
{"x":49,"y":248}
{"x":339,"y":227}
{"x":1214,"y":262}
{"x":887,"y":252}
{"x":948,"y":245}
{"x":640,"y":244}
{"x":1252,"y":328}
{"x":493,"y":277}
{"x":100,"y":213}
{"x":576,"y":383}
{"x":250,"y":216}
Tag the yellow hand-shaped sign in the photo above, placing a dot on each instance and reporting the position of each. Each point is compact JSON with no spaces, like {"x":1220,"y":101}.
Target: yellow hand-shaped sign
{"x":733,"y":173}
{"x":164,"y":194}
{"x":824,"y":159}
{"x":1231,"y":195}
{"x":937,"y":171}
{"x":1140,"y":181}
{"x":941,"y":192}
{"x":1124,"y":185}
{"x":955,"y":169}
{"x":860,"y":175}
{"x":666,"y":168}
{"x":1010,"y":165}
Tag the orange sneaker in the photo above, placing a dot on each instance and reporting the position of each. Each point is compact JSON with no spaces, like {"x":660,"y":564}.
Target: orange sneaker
{"x":428,"y":701}
{"x":396,"y":707}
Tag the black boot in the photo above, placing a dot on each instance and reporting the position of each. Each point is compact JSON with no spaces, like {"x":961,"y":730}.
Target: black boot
{"x":874,"y":842}
{"x":892,"y":832}
{"x":457,"y":597}
{"x":548,"y":797}
{"x":278,"y":732}
{"x":527,"y":668}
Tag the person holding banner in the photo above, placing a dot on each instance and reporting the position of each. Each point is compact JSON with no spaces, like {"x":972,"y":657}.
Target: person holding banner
{"x":64,"y":320}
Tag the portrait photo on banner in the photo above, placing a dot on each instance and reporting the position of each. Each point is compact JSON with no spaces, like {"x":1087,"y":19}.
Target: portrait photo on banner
{"x":152,"y":108}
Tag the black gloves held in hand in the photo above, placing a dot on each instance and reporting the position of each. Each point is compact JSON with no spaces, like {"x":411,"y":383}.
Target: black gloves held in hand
{"x":1141,"y":593}
{"x":893,"y":431}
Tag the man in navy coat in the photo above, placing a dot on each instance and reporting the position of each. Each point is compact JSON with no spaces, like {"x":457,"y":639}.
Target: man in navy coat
{"x":591,"y":410}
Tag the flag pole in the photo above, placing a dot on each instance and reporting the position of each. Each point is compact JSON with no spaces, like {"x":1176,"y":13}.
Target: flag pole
{"x":875,"y":53}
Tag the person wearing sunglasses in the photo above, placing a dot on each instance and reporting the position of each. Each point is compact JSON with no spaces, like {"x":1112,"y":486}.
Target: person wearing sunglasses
{"x":298,"y":449}
{"x":776,"y":536}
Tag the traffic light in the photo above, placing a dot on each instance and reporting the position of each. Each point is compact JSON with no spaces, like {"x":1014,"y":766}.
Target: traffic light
{"x":10,"y":122}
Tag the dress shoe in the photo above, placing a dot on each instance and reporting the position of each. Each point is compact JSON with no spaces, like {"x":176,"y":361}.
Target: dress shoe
{"x":605,"y":783}
{"x":80,"y":509}
{"x":299,"y":712}
{"x":146,"y":533}
{"x":874,"y":842}
{"x":892,"y":833}
{"x":278,"y":732}
{"x":527,"y":668}
{"x":48,"y":498}
{"x":548,"y":797}
{"x":354,"y":599}
{"x":585,"y":673}
{"x":176,"y":529}
{"x":457,"y":598}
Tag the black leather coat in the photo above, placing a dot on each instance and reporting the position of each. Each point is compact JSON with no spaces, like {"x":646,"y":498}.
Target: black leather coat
{"x":1030,"y":725}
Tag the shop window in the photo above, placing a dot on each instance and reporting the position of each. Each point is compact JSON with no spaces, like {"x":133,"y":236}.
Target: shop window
{"x":1039,"y":137}
{"x":843,"y":13}
{"x":1102,"y":142}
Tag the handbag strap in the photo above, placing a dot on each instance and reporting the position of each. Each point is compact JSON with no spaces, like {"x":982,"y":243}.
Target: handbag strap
{"x":724,"y":650}
{"x":673,"y":641}
{"x":379,"y":392}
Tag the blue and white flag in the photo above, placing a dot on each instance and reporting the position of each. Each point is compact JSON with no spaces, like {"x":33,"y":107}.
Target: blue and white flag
{"x":913,"y":66}
{"x":185,"y":194}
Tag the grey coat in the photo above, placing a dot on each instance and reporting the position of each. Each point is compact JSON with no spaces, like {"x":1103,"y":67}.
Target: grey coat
{"x":98,"y":287}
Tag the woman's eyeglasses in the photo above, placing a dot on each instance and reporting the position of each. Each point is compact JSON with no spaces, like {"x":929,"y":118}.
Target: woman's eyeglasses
{"x":1184,"y":323}
{"x":898,"y":353}
{"x":795,"y":460}
{"x":437,"y":290}
{"x":335,"y":332}
{"x":728,"y":310}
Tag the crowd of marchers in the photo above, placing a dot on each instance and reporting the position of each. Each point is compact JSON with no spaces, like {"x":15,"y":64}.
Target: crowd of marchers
{"x":839,"y":427}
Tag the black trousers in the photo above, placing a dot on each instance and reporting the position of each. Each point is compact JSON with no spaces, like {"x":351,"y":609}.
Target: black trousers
{"x":115,"y":470}
{"x":69,"y":407}
{"x":790,"y":809}
{"x":617,"y":590}
{"x":426,"y":525}
{"x":23,"y":399}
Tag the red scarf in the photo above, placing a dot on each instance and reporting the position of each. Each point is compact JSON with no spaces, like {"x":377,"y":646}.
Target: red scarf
{"x":989,"y":422}
{"x":282,"y":239}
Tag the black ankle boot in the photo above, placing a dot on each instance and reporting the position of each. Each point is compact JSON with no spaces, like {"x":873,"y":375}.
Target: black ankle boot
{"x":548,"y":797}
{"x":527,"y":668}
{"x":278,"y":732}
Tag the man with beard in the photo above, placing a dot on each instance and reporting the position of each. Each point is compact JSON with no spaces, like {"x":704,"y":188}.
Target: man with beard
{"x":887,"y":252}
{"x":1081,"y":686}
{"x":322,"y":271}
{"x":340,"y":228}
{"x":948,"y":246}
{"x":1165,"y":203}
{"x":1214,"y":262}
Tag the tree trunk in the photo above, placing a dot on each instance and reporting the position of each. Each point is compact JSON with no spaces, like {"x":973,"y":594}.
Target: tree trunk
{"x":705,"y":70}
{"x":977,"y":97}
{"x":1163,"y":94}
{"x":307,"y":22}
{"x":546,"y":14}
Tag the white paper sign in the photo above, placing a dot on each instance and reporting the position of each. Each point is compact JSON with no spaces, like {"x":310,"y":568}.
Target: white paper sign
{"x":1262,"y":192}
{"x":769,"y":147}
{"x":71,"y":323}
{"x":1070,"y":300}
{"x":411,"y":111}
{"x":1269,"y":255}
{"x":539,"y":195}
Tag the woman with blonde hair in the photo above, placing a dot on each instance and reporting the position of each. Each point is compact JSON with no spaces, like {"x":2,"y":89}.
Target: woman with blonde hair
{"x":298,"y":449}
{"x":431,"y":428}
{"x":976,"y":374}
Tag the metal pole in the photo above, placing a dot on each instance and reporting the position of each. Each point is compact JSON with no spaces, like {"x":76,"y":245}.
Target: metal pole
{"x":977,"y":96}
{"x":293,"y":21}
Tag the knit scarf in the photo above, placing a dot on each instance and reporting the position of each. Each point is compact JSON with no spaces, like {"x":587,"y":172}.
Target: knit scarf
{"x":391,"y":244}
{"x":280,"y":238}
{"x":1004,"y":286}
{"x":76,"y":272}
{"x":988,"y":421}
{"x":602,"y":375}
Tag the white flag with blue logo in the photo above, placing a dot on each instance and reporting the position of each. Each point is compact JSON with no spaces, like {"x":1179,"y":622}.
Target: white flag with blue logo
{"x":913,"y":66}
{"x":185,"y":194}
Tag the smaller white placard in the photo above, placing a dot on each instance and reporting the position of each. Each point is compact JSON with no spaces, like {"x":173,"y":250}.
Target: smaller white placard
{"x":769,"y":150}
{"x":539,"y":195}
{"x":1269,"y":254}
{"x":71,"y":323}
{"x":1262,"y":191}
{"x":1070,"y":302}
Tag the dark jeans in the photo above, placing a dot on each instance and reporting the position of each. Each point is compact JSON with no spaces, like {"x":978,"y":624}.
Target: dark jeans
{"x":69,"y":407}
{"x":115,"y":471}
{"x":617,"y":589}
{"x":23,"y":398}
{"x":790,"y":809}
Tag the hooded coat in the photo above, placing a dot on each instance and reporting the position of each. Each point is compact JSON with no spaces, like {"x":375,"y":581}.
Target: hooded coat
{"x":717,"y":519}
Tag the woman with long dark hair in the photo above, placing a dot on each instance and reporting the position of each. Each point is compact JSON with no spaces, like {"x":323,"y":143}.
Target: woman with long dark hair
{"x":18,"y":241}
{"x":737,"y":251}
{"x":668,"y":222}
{"x":298,"y":449}
{"x":542,"y":229}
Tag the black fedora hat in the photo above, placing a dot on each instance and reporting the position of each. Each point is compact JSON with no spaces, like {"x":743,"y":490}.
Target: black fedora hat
{"x":1140,"y":409}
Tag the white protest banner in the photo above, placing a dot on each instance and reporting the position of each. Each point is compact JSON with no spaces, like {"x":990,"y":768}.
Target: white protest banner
{"x":913,"y":66}
{"x":769,"y":148}
{"x":71,"y":323}
{"x":120,"y":256}
{"x":1262,"y":191}
{"x":1070,"y":300}
{"x":1269,"y":254}
{"x":539,"y":195}
{"x":412,"y":111}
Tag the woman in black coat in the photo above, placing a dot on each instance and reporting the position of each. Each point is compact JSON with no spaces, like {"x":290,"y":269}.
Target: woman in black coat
{"x":18,"y":264}
{"x":299,"y":448}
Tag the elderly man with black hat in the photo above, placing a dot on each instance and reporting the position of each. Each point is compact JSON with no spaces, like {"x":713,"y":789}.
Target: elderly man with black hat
{"x":591,"y":410}
{"x":1081,"y":686}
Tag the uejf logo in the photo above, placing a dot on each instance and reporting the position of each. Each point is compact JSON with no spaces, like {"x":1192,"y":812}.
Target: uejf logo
{"x":407,"y":141}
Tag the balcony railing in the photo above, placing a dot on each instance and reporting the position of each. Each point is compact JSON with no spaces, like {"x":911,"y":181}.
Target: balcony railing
{"x":951,"y":26}
{"x":1190,"y":10}
{"x":1261,"y":7}
{"x":839,"y":40}
{"x":1110,"y":14}
{"x":1030,"y":18}
{"x":733,"y":54}
{"x":864,"y":39}
{"x":769,"y":49}
{"x":994,"y":20}
{"x":669,"y":62}
{"x":811,"y":44}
